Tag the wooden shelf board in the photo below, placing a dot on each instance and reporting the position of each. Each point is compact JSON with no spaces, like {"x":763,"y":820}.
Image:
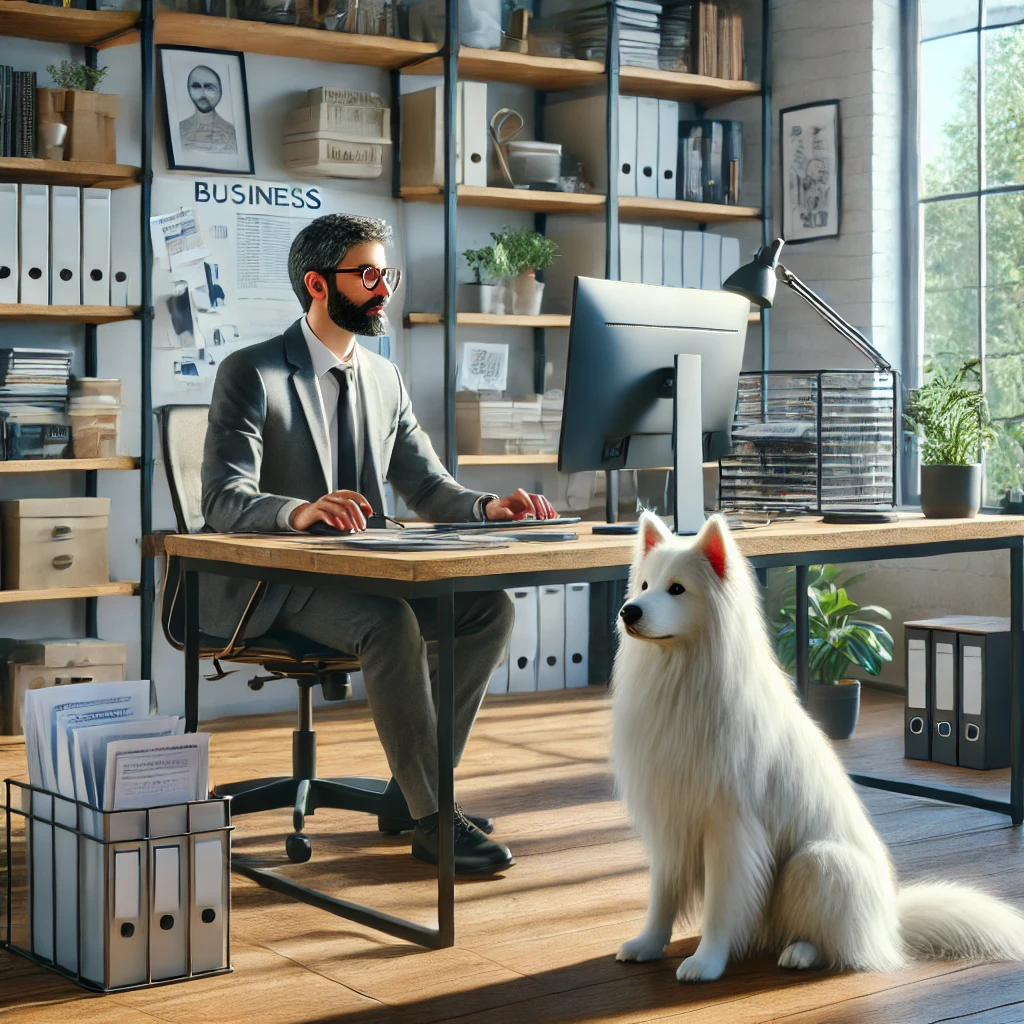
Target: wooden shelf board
{"x":120,"y":462}
{"x":489,"y":320}
{"x":675,"y":85}
{"x":81,"y":173}
{"x":630,"y":207}
{"x":62,"y":24}
{"x":121,"y":589}
{"x":641,"y":208}
{"x":289,"y":41}
{"x":549,"y":459}
{"x":754,"y":318}
{"x":28,"y":313}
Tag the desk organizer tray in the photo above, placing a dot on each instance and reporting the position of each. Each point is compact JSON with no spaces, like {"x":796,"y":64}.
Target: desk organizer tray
{"x":118,"y":900}
{"x":813,"y":441}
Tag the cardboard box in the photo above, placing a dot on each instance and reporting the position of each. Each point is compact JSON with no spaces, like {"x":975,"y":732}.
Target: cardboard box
{"x":467,"y":423}
{"x":54,"y":542}
{"x":91,"y":119}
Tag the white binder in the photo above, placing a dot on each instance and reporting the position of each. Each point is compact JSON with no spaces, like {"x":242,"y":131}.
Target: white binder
{"x":647,"y":147}
{"x":631,"y":253}
{"x":628,"y":122}
{"x":499,"y":679}
{"x":651,"y":262}
{"x":668,"y":147}
{"x":522,"y":648}
{"x":8,"y":242}
{"x":711,"y":268}
{"x":65,"y":246}
{"x":730,"y":256}
{"x":208,"y":927}
{"x":551,"y":634}
{"x":693,"y":258}
{"x":35,"y":244}
{"x":672,"y":258}
{"x":168,"y":911}
{"x":577,"y":634}
{"x":473,"y":148}
{"x":96,"y":246}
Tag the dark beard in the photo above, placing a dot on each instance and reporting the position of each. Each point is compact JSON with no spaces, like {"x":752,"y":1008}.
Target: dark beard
{"x":355,"y":318}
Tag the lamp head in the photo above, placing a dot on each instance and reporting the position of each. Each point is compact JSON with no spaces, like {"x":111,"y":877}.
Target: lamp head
{"x":756,"y":280}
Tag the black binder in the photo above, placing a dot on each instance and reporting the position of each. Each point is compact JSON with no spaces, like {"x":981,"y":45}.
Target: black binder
{"x":985,"y":695}
{"x":945,"y":666}
{"x":917,"y":716}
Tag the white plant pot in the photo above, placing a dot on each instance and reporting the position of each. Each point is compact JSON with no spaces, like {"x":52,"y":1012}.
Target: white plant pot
{"x":526,"y":293}
{"x":483,"y":298}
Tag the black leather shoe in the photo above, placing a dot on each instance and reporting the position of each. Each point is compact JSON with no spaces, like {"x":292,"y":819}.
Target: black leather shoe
{"x":475,"y":854}
{"x":396,"y":817}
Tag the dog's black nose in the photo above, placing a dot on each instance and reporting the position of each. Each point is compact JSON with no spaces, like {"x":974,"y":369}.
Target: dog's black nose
{"x":630,"y":613}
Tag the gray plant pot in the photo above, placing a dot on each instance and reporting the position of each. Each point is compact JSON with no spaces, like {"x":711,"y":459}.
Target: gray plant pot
{"x":835,"y":708}
{"x":951,"y":492}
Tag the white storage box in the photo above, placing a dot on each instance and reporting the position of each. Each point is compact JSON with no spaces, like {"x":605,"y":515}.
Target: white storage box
{"x":534,"y":163}
{"x":54,"y":542}
{"x":333,"y":159}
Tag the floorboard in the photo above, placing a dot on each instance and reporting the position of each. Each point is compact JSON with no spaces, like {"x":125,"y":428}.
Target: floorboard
{"x":536,"y":945}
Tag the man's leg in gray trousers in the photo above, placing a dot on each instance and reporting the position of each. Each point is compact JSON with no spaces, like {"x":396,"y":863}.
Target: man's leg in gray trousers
{"x":387,"y":635}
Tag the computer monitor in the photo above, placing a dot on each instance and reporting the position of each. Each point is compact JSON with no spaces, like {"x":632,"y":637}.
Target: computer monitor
{"x":619,"y":386}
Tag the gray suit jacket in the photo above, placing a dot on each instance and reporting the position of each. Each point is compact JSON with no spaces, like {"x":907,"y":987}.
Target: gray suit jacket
{"x":267,"y":444}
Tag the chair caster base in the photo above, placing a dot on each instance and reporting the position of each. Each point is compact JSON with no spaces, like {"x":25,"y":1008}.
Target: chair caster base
{"x":298,"y":848}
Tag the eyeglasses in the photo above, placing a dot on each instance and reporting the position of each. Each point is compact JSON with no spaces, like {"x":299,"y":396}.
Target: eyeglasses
{"x":372,"y":276}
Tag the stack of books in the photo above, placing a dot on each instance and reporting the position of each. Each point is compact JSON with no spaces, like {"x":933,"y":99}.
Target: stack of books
{"x":36,"y":377}
{"x":717,"y":41}
{"x":339,"y":133}
{"x":17,"y":112}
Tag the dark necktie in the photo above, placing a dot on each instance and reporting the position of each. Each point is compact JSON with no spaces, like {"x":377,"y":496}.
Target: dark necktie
{"x":348,"y":471}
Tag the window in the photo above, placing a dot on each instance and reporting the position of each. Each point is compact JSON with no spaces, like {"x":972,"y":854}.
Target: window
{"x":971,"y":208}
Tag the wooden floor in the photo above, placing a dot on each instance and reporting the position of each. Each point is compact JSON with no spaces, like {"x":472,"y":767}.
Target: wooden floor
{"x":536,"y":945}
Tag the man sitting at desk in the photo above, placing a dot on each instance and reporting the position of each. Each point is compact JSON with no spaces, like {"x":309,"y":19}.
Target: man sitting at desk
{"x":304,"y":428}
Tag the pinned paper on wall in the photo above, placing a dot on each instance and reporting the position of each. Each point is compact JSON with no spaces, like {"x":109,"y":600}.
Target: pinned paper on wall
{"x":177,"y":238}
{"x":484,"y":367}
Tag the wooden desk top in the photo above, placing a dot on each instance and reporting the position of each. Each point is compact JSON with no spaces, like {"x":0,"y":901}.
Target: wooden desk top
{"x":319,"y":555}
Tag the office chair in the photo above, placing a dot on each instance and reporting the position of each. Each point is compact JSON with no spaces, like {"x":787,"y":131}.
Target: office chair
{"x":280,"y":653}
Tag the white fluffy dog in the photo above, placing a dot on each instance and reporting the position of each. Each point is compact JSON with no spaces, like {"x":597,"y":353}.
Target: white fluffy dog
{"x":742,"y":805}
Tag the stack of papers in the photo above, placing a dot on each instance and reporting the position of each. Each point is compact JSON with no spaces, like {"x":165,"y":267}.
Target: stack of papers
{"x":526,"y":426}
{"x":639,"y":34}
{"x":98,"y":743}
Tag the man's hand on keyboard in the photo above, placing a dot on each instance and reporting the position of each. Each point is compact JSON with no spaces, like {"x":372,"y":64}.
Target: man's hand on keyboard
{"x":520,"y":506}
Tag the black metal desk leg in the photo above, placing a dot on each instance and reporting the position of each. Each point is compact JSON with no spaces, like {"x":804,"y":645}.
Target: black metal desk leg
{"x":1016,"y":680}
{"x":803,"y":633}
{"x":445,"y":769}
{"x":191,"y":651}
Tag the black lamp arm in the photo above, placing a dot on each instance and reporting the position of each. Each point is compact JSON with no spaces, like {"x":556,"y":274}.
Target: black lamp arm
{"x":831,"y":317}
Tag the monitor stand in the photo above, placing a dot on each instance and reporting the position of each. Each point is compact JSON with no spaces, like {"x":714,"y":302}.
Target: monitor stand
{"x":688,"y":454}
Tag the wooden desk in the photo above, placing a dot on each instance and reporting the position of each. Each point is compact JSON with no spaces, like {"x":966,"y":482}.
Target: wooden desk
{"x":440,"y":575}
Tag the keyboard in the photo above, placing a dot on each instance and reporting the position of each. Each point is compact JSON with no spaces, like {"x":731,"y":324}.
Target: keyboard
{"x":502,"y":524}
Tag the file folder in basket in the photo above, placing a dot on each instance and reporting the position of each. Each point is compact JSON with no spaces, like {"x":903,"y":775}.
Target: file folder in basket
{"x":118,"y":900}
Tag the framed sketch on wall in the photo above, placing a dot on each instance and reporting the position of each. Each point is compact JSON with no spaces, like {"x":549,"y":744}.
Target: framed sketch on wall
{"x":206,"y":110}
{"x":810,"y":171}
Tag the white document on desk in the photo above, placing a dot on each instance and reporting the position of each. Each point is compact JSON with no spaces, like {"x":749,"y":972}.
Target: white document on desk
{"x":156,"y":772}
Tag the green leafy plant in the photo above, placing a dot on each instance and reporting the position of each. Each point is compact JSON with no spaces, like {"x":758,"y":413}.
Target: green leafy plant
{"x":79,"y":77}
{"x":523,"y":250}
{"x":487,"y":262}
{"x":950,"y":415}
{"x":837,"y":639}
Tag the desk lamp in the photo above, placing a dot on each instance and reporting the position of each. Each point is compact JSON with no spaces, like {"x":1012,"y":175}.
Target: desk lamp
{"x":756,"y":281}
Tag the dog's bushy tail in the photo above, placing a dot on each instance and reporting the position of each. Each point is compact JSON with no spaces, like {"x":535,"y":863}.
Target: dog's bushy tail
{"x":939,"y":920}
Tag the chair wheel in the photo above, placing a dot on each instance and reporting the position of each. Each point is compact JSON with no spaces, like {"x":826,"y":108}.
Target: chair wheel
{"x":298,"y":848}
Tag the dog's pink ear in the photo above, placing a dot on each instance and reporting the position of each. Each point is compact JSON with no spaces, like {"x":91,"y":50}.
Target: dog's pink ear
{"x":651,"y":532}
{"x":711,"y":542}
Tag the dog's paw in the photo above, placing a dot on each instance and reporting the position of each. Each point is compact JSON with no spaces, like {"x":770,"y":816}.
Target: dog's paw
{"x":801,"y":956}
{"x":641,"y":949}
{"x":701,"y":967}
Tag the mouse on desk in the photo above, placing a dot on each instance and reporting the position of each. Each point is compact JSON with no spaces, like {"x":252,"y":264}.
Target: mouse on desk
{"x":322,"y":529}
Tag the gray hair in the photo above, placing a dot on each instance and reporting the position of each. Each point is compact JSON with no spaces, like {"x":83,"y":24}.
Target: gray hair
{"x":324,"y":242}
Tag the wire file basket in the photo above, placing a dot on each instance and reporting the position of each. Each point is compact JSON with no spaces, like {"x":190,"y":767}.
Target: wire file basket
{"x":813,"y":441}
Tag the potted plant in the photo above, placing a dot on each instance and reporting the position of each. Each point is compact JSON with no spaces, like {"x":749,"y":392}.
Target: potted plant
{"x":838,"y":641}
{"x":524,"y":252}
{"x":950,"y":415}
{"x":89,"y":115}
{"x":485,"y":296}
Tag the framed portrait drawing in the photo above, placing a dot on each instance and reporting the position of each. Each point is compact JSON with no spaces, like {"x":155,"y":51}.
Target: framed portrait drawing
{"x":810,"y":171}
{"x":206,"y":110}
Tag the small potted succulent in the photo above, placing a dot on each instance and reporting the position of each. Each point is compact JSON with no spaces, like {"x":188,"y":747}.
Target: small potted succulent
{"x":838,"y":641}
{"x":524,"y":252}
{"x":90,"y":115}
{"x":486,"y":293}
{"x":950,"y":416}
